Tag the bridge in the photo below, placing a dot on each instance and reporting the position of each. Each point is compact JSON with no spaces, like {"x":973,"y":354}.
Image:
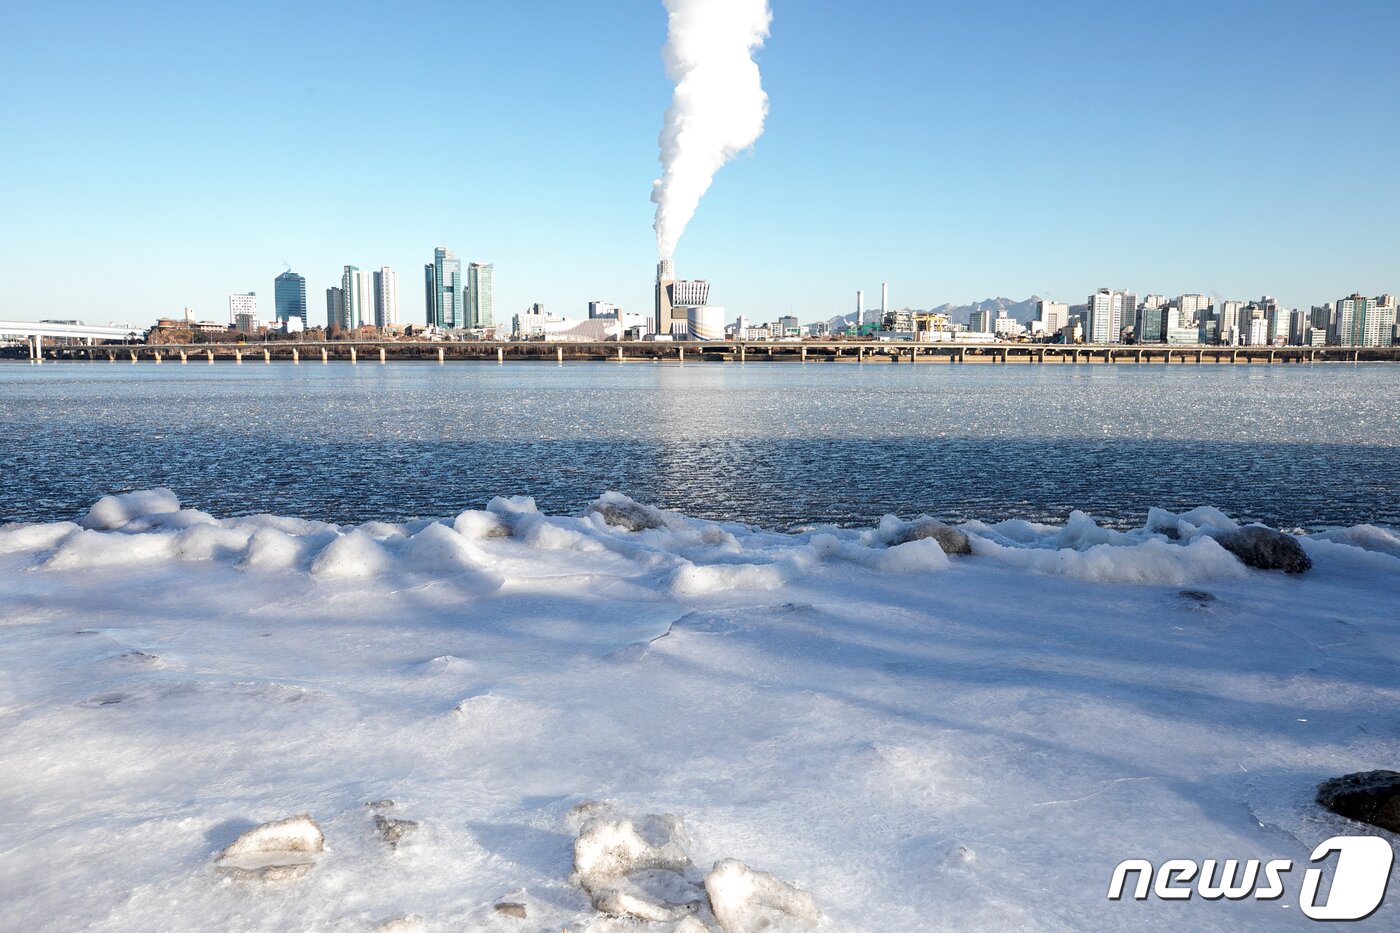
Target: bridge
{"x":34,"y":332}
{"x":857,"y":352}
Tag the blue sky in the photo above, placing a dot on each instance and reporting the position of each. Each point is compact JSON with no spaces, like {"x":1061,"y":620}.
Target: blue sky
{"x":158,"y":155}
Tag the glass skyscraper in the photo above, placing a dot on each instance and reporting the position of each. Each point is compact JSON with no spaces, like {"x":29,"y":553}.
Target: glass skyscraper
{"x":446,"y":304}
{"x":289,"y":297}
{"x":480,"y":295}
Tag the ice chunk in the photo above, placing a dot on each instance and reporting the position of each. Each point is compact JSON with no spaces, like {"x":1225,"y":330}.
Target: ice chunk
{"x":748,"y":901}
{"x":92,"y":549}
{"x":704,"y":579}
{"x":272,"y":549}
{"x":19,"y":537}
{"x":477,"y":524}
{"x":1149,"y":561}
{"x":111,"y":512}
{"x":352,"y":556}
{"x":439,"y":550}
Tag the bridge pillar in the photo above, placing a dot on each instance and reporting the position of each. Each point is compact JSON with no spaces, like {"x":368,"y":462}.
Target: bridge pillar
{"x":354,"y":355}
{"x":682,"y":354}
{"x":210,"y":354}
{"x":111,"y":357}
{"x":184,"y":358}
{"x":619,"y":352}
{"x":804,"y":354}
{"x":133,"y":356}
{"x":381,"y":356}
{"x":1271,"y":356}
{"x":325,"y":357}
{"x":500,"y":354}
{"x":559,"y":355}
{"x":744,"y":353}
{"x":238,"y":357}
{"x":296,"y":355}
{"x":267,"y":356}
{"x":442,"y":356}
{"x":158,"y":356}
{"x":860,"y":354}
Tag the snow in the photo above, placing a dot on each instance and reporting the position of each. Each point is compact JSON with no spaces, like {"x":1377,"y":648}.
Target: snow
{"x":857,"y":737}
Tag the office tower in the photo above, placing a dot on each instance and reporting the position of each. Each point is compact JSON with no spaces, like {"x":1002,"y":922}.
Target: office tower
{"x":665,"y":278}
{"x":980,"y":321}
{"x":1104,"y":321}
{"x":289,"y":297}
{"x":386,"y":298}
{"x":357,"y":297}
{"x":335,"y":309}
{"x":1052,"y":315}
{"x":1151,"y":323}
{"x":445,"y":290}
{"x":481,"y":295}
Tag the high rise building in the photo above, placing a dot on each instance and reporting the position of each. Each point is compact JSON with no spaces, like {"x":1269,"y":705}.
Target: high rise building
{"x":386,"y":298}
{"x":1193,"y":308}
{"x":243,"y":312}
{"x":335,"y":309}
{"x":980,"y":321}
{"x":1105,"y":315}
{"x":1364,"y":322}
{"x":1151,"y":323}
{"x":357,"y":297}
{"x":1052,"y":315}
{"x":445,"y":290}
{"x":481,"y":295}
{"x":289,"y":297}
{"x":1227,"y":322}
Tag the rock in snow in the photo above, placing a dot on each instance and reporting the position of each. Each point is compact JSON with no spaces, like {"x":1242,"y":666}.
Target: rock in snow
{"x":393,"y":831}
{"x":1266,"y":549}
{"x":949,"y":538}
{"x":624,"y":872}
{"x":1367,"y":796}
{"x":617,"y":509}
{"x":748,"y":901}
{"x":282,"y":850}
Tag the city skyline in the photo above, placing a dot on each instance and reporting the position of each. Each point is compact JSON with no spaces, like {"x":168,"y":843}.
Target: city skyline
{"x":960,"y":178}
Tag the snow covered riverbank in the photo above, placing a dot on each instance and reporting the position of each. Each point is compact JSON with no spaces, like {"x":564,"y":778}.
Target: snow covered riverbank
{"x":917,"y":741}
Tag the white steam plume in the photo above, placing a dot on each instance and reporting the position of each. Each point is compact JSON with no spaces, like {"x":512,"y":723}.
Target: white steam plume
{"x":718,"y":108}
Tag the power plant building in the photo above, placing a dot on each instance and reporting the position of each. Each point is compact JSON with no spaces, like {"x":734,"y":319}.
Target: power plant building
{"x":676,"y":300}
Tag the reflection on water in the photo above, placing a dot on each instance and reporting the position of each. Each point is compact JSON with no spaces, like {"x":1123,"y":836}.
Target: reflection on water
{"x":773,"y":444}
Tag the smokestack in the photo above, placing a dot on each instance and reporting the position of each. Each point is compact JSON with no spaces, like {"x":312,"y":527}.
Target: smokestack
{"x":719,"y":104}
{"x":665,"y":278}
{"x":860,"y":308}
{"x":884,"y":298}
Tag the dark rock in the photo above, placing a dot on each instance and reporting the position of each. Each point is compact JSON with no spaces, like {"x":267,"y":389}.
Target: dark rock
{"x":1367,"y":796}
{"x":393,"y":831}
{"x":511,"y":909}
{"x":949,"y":538}
{"x":1266,"y":549}
{"x":1199,"y":596}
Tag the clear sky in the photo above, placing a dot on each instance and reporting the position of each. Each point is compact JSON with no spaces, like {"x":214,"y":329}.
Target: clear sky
{"x":157,"y":155}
